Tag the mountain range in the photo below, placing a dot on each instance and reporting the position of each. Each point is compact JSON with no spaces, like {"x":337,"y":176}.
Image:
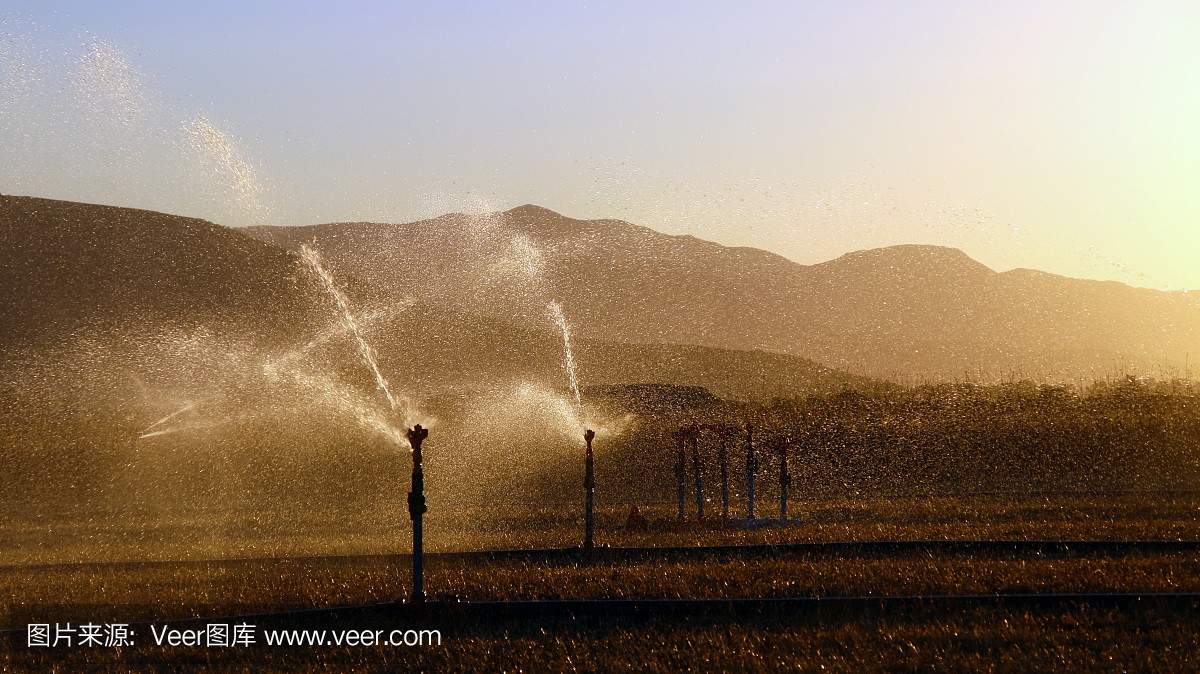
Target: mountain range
{"x":911,"y":312}
{"x":124,"y":277}
{"x":154,"y":360}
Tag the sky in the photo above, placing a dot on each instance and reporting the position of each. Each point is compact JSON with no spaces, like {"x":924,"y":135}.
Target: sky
{"x":1050,"y":134}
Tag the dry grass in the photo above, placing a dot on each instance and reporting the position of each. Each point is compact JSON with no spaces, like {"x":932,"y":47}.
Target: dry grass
{"x":385,"y":528}
{"x":301,"y":582}
{"x":221,"y":588}
{"x":1061,"y":638}
{"x":983,"y":639}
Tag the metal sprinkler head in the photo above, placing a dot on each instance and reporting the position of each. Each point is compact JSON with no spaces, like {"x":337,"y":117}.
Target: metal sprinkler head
{"x":416,"y":436}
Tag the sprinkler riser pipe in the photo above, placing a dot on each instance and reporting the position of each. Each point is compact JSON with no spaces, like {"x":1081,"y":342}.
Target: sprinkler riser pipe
{"x":589,"y":485}
{"x":783,"y":503}
{"x":418,"y":593}
{"x":417,"y":508}
{"x":750,"y":494}
{"x":695,"y":437}
{"x":785,"y":479}
{"x":723,"y":457}
{"x":680,"y":470}
{"x":751,"y":468}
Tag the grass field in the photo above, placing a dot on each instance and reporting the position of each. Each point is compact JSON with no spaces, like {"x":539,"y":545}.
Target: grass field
{"x":997,"y":638}
{"x":984,"y":639}
{"x":384,"y":528}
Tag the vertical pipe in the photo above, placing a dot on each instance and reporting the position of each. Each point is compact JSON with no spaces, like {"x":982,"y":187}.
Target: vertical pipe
{"x":589,"y":485}
{"x":681,"y":468}
{"x":785,"y":479}
{"x":694,"y":434}
{"x":723,"y":458}
{"x":416,"y":508}
{"x":751,"y":466}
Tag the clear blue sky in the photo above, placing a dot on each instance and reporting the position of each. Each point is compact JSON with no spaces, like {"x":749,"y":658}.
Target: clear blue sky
{"x":1057,"y":135}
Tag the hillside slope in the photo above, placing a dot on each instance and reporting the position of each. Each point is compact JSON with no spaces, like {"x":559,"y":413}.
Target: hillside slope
{"x":67,"y":268}
{"x":914,"y":311}
{"x":70,"y":270}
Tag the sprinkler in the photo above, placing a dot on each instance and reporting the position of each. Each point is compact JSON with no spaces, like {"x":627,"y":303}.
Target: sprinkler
{"x":589,"y":485}
{"x":681,"y":468}
{"x":416,"y":507}
{"x":694,"y":436}
{"x":751,"y":467}
{"x":723,"y":458}
{"x":785,"y":480}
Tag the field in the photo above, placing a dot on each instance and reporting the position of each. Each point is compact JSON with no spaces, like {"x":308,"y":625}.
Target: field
{"x":1146,"y":635}
{"x":1071,"y":638}
{"x":931,"y":532}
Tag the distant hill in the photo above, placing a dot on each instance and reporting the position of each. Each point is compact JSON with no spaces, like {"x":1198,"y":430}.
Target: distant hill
{"x":430,"y":348}
{"x":70,"y":269}
{"x":912,"y":311}
{"x":154,"y":361}
{"x":140,"y":356}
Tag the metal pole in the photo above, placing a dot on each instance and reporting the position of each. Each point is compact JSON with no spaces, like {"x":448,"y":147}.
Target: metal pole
{"x":694,"y":433}
{"x":681,"y":468}
{"x":589,"y":485}
{"x":416,"y":508}
{"x":723,"y":458}
{"x":751,"y":465}
{"x":785,"y":480}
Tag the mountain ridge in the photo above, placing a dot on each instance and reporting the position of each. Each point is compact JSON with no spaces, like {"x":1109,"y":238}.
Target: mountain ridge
{"x":918,"y":310}
{"x":71,"y":272}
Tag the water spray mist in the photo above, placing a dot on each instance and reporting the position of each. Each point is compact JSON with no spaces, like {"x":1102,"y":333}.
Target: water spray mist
{"x":556,"y":313}
{"x":313,"y":258}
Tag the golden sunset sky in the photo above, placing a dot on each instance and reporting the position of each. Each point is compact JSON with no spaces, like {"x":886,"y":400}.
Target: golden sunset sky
{"x":1058,"y":135}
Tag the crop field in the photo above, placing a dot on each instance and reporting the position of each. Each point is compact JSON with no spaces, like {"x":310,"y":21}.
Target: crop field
{"x":120,"y":536}
{"x":1072,"y":638}
{"x":702,"y":563}
{"x":956,"y":528}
